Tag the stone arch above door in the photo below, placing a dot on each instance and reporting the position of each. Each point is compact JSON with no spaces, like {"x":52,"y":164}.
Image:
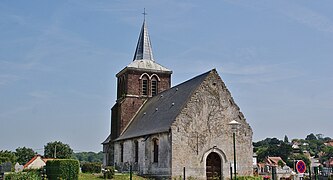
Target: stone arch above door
{"x":213,"y":160}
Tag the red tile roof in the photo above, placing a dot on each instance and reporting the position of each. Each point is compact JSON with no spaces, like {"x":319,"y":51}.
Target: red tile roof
{"x":31,"y":161}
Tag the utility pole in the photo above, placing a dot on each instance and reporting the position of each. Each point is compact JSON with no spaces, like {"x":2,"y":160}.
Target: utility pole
{"x":55,"y":151}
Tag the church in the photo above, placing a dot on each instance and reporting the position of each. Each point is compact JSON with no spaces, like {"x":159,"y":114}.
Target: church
{"x":163,"y":132}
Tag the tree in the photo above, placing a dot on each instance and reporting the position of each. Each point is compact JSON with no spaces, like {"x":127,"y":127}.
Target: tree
{"x":7,"y":156}
{"x":286,"y":140}
{"x":328,"y":153}
{"x":272,"y":147}
{"x":295,"y":157}
{"x":89,"y":156}
{"x":311,"y":137}
{"x":58,"y":150}
{"x":24,"y":154}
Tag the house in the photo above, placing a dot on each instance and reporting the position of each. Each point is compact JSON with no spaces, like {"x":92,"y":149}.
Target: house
{"x":161,"y":131}
{"x":275,"y":165}
{"x":36,"y":162}
{"x":274,"y":161}
{"x":329,"y":143}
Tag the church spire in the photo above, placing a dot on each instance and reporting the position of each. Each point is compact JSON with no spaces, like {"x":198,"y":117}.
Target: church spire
{"x":143,"y":48}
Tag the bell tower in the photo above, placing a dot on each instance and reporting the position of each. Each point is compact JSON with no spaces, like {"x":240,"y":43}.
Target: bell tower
{"x":138,"y":81}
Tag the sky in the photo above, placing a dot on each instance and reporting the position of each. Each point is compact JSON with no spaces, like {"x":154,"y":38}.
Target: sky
{"x":58,"y":61}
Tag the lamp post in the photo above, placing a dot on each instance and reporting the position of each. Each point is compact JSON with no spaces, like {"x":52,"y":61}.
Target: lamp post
{"x":234,"y":125}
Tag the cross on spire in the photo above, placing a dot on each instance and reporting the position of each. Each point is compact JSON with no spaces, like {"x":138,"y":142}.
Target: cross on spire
{"x":144,"y":13}
{"x":143,"y":48}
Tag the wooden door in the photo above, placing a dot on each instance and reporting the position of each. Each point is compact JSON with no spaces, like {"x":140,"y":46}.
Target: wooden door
{"x":213,"y":166}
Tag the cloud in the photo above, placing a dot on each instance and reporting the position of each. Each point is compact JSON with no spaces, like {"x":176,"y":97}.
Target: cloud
{"x":307,"y":17}
{"x":296,"y":12}
{"x":8,"y":78}
{"x":41,"y":94}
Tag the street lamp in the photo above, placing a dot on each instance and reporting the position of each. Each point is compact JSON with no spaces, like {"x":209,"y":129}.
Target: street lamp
{"x":234,"y":125}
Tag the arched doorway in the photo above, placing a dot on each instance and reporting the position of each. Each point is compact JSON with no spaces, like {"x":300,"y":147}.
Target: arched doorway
{"x":213,"y":166}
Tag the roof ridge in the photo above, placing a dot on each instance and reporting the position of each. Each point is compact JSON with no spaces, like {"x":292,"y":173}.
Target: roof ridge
{"x":159,"y":112}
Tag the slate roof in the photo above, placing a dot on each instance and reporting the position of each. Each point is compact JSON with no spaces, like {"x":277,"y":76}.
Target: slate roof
{"x":144,"y":48}
{"x":143,"y":56}
{"x":159,"y":112}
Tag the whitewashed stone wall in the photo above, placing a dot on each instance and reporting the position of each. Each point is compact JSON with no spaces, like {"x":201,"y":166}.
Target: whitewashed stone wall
{"x":145,"y":164}
{"x":202,"y":128}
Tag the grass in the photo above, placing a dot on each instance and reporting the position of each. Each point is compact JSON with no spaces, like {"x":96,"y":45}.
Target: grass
{"x":88,"y":176}
{"x":117,"y":176}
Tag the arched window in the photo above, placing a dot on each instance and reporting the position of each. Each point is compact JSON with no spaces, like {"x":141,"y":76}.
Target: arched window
{"x":154,"y":86}
{"x":144,"y":86}
{"x":121,"y":152}
{"x":155,"y":150}
{"x":136,"y":151}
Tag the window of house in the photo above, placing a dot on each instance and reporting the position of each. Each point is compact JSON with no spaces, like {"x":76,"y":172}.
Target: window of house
{"x":154,"y":87}
{"x":155,"y":150}
{"x":144,"y":86}
{"x":121,"y":152}
{"x":136,"y":151}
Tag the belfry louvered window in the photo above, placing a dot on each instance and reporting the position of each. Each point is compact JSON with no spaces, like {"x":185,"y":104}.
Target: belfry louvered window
{"x":154,"y":87}
{"x":144,"y":86}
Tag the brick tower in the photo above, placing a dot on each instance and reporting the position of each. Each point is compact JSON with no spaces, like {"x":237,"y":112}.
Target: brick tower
{"x":141,"y":79}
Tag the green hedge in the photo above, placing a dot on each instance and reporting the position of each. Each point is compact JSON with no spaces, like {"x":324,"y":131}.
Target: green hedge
{"x":23,"y":175}
{"x":62,"y":169}
{"x":91,"y":167}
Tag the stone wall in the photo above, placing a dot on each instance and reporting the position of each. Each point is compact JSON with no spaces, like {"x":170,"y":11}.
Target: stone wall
{"x":145,"y":164}
{"x":201,"y":128}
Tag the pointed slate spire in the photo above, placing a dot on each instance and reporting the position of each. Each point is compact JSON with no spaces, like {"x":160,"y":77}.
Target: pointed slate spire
{"x":143,"y":48}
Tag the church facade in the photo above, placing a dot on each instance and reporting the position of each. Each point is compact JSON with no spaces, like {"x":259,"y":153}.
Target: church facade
{"x":159,"y":130}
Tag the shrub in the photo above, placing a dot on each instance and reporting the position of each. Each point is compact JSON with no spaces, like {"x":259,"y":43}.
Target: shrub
{"x":108,"y":172}
{"x":91,"y":167}
{"x":62,"y":169}
{"x":23,"y":175}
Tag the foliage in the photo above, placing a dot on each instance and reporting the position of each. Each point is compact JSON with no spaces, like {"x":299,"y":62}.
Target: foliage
{"x":62,"y":168}
{"x":108,"y":172}
{"x":293,"y":159}
{"x":89,"y":156}
{"x":311,"y":137}
{"x":91,"y":167}
{"x":58,"y":149}
{"x":23,"y":175}
{"x":272,"y":147}
{"x":280,"y":163}
{"x":286,"y":140}
{"x":7,"y":156}
{"x":327,"y":153}
{"x":313,"y":143}
{"x":24,"y":155}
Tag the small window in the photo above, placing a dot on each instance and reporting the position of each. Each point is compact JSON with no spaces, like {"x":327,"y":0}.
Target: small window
{"x":145,"y":87}
{"x":121,"y":152}
{"x":136,"y":151}
{"x":155,"y":141}
{"x":154,"y":87}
